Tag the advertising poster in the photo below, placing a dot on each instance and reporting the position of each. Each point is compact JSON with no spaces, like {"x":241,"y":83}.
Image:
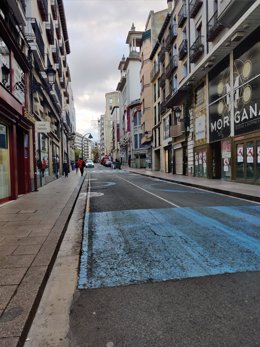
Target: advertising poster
{"x":258,"y":154}
{"x":204,"y":160}
{"x":240,"y":153}
{"x":200,"y":157}
{"x":250,"y":155}
{"x":226,"y":164}
{"x":197,"y":159}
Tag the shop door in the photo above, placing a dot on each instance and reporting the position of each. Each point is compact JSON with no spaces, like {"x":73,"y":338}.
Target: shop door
{"x":216,"y":159}
{"x":166,"y":161}
{"x":179,"y":161}
{"x":23,"y":161}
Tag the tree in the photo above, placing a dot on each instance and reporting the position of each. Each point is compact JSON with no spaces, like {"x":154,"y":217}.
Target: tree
{"x":95,"y":154}
{"x":77,"y":153}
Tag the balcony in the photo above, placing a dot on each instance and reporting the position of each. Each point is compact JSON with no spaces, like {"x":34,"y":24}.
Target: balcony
{"x":182,"y":16}
{"x":163,"y":108}
{"x":230,"y":11}
{"x":37,"y":44}
{"x":162,"y":80}
{"x":173,"y":64}
{"x":155,"y":72}
{"x":161,"y":54}
{"x":64,"y":61}
{"x":121,"y":84}
{"x":54,"y":9}
{"x":197,"y":49}
{"x":195,"y":5}
{"x":55,"y":53}
{"x":58,"y":30}
{"x":171,"y":36}
{"x":183,"y":49}
{"x":62,"y":47}
{"x":50,"y":31}
{"x":68,"y":73}
{"x":214,"y":27}
{"x":56,"y":94}
{"x":177,"y":130}
{"x":43,"y":8}
{"x":62,"y":82}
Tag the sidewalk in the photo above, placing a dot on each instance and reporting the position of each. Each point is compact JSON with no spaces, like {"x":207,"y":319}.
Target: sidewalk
{"x":241,"y":190}
{"x":31,"y":230}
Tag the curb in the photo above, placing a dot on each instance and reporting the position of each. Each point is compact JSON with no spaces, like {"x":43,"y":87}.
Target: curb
{"x":215,"y":190}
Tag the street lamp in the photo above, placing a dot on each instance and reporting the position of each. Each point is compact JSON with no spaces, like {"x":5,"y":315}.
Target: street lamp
{"x":82,"y":141}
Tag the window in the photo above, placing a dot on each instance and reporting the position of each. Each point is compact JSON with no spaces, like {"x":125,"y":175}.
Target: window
{"x":184,"y":70}
{"x":4,"y":65}
{"x":136,"y":141}
{"x":166,"y":128}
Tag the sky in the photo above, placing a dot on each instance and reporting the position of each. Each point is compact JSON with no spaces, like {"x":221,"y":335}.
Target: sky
{"x":97,"y":32}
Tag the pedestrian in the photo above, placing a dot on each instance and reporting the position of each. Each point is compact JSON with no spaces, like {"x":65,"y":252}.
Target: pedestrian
{"x":43,"y":166}
{"x":66,"y":169}
{"x":77,"y":165}
{"x":81,"y":165}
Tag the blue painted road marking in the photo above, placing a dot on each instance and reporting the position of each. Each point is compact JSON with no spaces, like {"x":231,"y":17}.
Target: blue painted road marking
{"x":123,"y":247}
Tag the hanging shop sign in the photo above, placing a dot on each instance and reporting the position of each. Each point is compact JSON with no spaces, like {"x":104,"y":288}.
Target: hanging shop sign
{"x":42,"y":127}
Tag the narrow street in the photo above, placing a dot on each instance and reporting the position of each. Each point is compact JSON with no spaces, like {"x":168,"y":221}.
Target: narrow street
{"x":165,"y":265}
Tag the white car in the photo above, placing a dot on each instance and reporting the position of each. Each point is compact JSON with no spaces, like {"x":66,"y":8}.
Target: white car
{"x":89,"y":163}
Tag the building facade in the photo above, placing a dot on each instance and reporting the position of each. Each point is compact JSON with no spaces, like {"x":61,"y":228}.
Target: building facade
{"x":37,"y":117}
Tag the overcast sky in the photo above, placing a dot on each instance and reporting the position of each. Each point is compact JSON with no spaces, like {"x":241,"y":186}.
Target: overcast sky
{"x":97,"y":32}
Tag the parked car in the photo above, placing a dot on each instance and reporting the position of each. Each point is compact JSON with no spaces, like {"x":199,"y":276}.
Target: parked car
{"x":108,"y":163}
{"x":89,"y":163}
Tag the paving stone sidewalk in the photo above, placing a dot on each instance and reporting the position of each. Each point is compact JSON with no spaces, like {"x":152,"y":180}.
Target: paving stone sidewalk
{"x":31,"y":230}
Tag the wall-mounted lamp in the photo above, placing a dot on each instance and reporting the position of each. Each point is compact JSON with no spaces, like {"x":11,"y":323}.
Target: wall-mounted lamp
{"x":51,"y":75}
{"x":177,"y":112}
{"x":5,"y":74}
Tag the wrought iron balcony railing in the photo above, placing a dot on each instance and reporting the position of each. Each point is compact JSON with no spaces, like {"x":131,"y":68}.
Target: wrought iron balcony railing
{"x":196,"y":49}
{"x":214,"y":27}
{"x":183,"y":49}
{"x":43,"y":8}
{"x":173,"y":64}
{"x":195,"y":5}
{"x":182,"y":16}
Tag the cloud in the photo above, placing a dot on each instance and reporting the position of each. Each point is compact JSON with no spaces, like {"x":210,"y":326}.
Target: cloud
{"x":97,"y":32}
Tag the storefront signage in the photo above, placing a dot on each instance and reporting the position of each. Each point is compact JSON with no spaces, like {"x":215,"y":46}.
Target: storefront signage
{"x":244,"y":94}
{"x":247,"y":90}
{"x":42,"y":127}
{"x":200,"y":128}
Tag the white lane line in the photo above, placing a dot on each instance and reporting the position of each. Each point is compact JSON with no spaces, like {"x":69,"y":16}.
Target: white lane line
{"x":147,"y":191}
{"x":88,"y":197}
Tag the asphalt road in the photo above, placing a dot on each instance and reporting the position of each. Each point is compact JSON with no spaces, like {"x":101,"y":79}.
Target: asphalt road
{"x":166,"y":265}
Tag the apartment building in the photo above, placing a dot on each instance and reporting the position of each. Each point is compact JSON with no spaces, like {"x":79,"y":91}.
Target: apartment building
{"x":129,"y":89}
{"x":46,"y":33}
{"x":112,"y":100}
{"x":152,"y":28}
{"x":84,"y":146}
{"x":101,"y":133}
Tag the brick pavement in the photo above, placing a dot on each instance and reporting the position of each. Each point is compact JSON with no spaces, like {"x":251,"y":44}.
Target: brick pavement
{"x":31,"y":230}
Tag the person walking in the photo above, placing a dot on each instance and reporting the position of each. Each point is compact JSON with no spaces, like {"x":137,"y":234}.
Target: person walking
{"x":81,"y":165}
{"x":66,"y":169}
{"x":77,"y":165}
